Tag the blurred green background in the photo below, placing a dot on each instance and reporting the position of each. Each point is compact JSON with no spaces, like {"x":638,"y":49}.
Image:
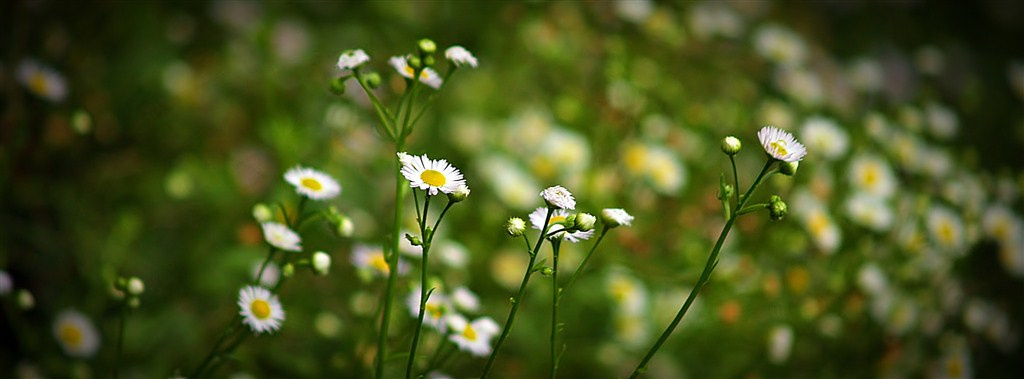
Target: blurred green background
{"x":135,"y":138}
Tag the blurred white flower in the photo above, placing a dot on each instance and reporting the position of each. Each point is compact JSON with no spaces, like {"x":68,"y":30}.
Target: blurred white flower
{"x":656,"y":165}
{"x":291,"y":41}
{"x":710,"y":19}
{"x":803,"y":85}
{"x":1007,"y":229}
{"x":869,"y":211}
{"x":823,"y":136}
{"x":280,"y":236}
{"x":474,"y":337}
{"x":780,"y":343}
{"x":436,"y":308}
{"x":271,"y":273}
{"x":465,"y":300}
{"x":350,"y":59}
{"x":815,"y":217}
{"x":459,"y":56}
{"x":631,"y":330}
{"x":613,"y":217}
{"x":512,"y":185}
{"x":780,"y":45}
{"x":871,"y":174}
{"x":636,"y":11}
{"x":76,"y":334}
{"x":946,"y":229}
{"x":370,"y":259}
{"x":626,"y":291}
{"x":942,"y":122}
{"x":451,"y":253}
{"x":866,"y":75}
{"x":428,"y":76}
{"x":42,"y":81}
{"x":6,"y":284}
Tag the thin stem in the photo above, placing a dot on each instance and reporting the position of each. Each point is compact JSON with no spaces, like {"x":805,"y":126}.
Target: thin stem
{"x":120,"y":340}
{"x":438,"y":359}
{"x":392,"y":273}
{"x":735,"y":180}
{"x":382,"y":112}
{"x":586,"y":259}
{"x":216,"y":347}
{"x":263,"y":267}
{"x":427,"y":242}
{"x":704,"y":275}
{"x":555,"y":295}
{"x":518,"y":299}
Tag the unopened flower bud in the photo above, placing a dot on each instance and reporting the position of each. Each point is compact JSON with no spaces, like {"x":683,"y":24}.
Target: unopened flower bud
{"x":731,"y":145}
{"x":428,"y":60}
{"x":414,"y":240}
{"x":515,"y":227}
{"x":613,"y":217}
{"x":288,"y":270}
{"x":415,"y":62}
{"x":777,"y":208}
{"x":321,"y":263}
{"x":461,"y":193}
{"x":25,"y":300}
{"x":427,"y":46}
{"x":344,"y":226}
{"x":136,"y":286}
{"x":584,"y":222}
{"x":338,"y":85}
{"x":788,"y":168}
{"x":372,"y":80}
{"x":262,"y":213}
{"x":133,"y":302}
{"x":547,"y":271}
{"x":725,"y":191}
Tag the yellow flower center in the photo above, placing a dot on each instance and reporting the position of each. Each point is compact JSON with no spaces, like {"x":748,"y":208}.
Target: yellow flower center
{"x":411,"y":72}
{"x":71,"y":335}
{"x":433,"y":178}
{"x":312,"y":184}
{"x":780,"y":147}
{"x":38,"y":83}
{"x":435,"y":310}
{"x":870,"y":176}
{"x":954,"y":368}
{"x":378,"y":262}
{"x":557,"y":219}
{"x":260,"y":308}
{"x":946,"y":233}
{"x":469,"y":333}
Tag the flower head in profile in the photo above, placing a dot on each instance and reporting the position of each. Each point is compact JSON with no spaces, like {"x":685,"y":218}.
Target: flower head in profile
{"x":781,"y":145}
{"x":42,"y":81}
{"x":260,"y":309}
{"x":280,"y":236}
{"x":432,"y":175}
{"x":321,"y":263}
{"x":460,"y":56}
{"x":613,"y":217}
{"x":76,"y":334}
{"x":555,"y":224}
{"x":312,"y":183}
{"x":371,"y":259}
{"x":351,"y":59}
{"x":473,"y":337}
{"x":427,"y":76}
{"x":558,"y":197}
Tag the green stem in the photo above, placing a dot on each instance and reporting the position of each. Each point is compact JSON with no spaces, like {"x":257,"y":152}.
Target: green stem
{"x":427,"y":242}
{"x":216,"y":347}
{"x":382,"y":112}
{"x":704,"y":276}
{"x":736,"y":180}
{"x":555,"y":295}
{"x":120,"y":340}
{"x":392,"y":271}
{"x":586,"y":259}
{"x":518,"y":299}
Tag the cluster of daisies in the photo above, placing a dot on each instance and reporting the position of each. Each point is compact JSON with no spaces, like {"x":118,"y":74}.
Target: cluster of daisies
{"x":408,"y":65}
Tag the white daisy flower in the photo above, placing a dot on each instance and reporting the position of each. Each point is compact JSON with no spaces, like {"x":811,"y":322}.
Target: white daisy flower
{"x":42,"y":81}
{"x":869,"y":211}
{"x":616,"y":216}
{"x":436,"y":308}
{"x":351,"y":59}
{"x":825,"y":136}
{"x":432,"y":175}
{"x":873,"y":175}
{"x":428,"y":76}
{"x":781,"y":145}
{"x":76,"y":334}
{"x":946,"y":229}
{"x":260,"y":309}
{"x":371,"y":259}
{"x":559,"y":197}
{"x":473,"y":337}
{"x":559,"y":215}
{"x":280,"y":236}
{"x":312,"y":183}
{"x":465,"y":300}
{"x":460,"y":56}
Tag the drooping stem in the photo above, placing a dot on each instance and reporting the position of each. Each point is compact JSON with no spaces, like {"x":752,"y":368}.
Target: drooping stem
{"x":518,"y":299}
{"x":555,"y":295}
{"x":704,"y":275}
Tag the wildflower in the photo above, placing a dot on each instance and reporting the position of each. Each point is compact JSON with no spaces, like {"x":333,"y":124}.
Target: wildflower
{"x":459,"y":194}
{"x":871,"y":174}
{"x":780,"y":343}
{"x":436,"y":308}
{"x":1007,"y":229}
{"x":866,"y":75}
{"x":512,"y":184}
{"x":459,"y":56}
{"x":558,"y":197}
{"x":312,"y":183}
{"x":432,"y":175}
{"x":262,"y":213}
{"x":350,"y":59}
{"x":558,"y":217}
{"x":824,"y":136}
{"x":780,"y":45}
{"x":427,"y":76}
{"x":371,"y":259}
{"x":426,"y":46}
{"x":584,"y":222}
{"x":271,"y":273}
{"x":42,"y":81}
{"x":6,"y":284}
{"x":869,"y":211}
{"x":280,"y":236}
{"x":613,"y":217}
{"x":465,"y":300}
{"x":945,"y":228}
{"x":515,"y":226}
{"x":321,"y":263}
{"x":451,"y":253}
{"x":731,"y":145}
{"x":260,"y":309}
{"x":135,"y":286}
{"x":942,"y":122}
{"x":24,"y":299}
{"x":76,"y":334}
{"x":626,"y":292}
{"x":473,"y":337}
{"x":404,"y":158}
{"x":781,"y":145}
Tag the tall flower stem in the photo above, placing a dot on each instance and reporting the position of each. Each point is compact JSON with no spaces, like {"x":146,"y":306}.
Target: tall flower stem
{"x":426,"y":238}
{"x":555,"y":295}
{"x":709,"y":266}
{"x":392,"y":272}
{"x":518,"y":299}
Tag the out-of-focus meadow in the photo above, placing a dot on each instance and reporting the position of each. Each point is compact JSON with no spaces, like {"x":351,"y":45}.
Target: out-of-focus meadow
{"x":136,"y":138}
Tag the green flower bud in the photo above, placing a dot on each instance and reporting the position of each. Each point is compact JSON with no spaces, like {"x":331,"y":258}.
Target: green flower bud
{"x":414,"y":240}
{"x":427,"y":46}
{"x":321,"y":263}
{"x":414,"y":62}
{"x":461,"y":193}
{"x":338,"y":85}
{"x":515,"y":226}
{"x":262,"y":213}
{"x":788,"y":168}
{"x":547,"y":271}
{"x":25,"y":300}
{"x":133,"y":302}
{"x":731,"y":145}
{"x":777,"y":208}
{"x":585,"y":222}
{"x":288,"y":270}
{"x":428,"y":60}
{"x":372,"y":80}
